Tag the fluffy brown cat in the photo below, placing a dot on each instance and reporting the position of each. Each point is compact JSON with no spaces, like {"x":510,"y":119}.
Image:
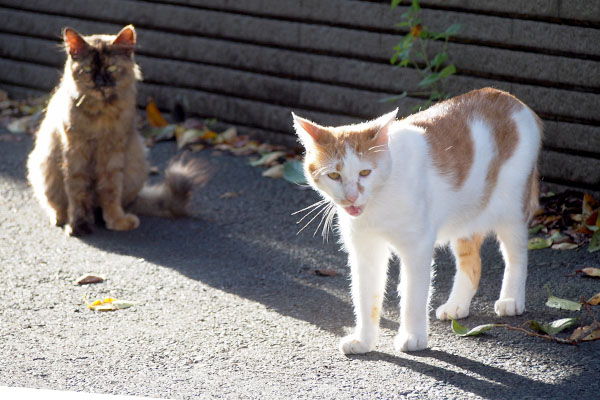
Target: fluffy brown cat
{"x":88,"y":154}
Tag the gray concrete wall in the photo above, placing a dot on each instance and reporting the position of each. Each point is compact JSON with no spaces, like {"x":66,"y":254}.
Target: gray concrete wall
{"x":251,"y":62}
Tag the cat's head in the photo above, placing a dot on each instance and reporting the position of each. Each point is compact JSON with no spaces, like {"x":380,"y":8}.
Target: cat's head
{"x":101,"y":65}
{"x":346,"y":164}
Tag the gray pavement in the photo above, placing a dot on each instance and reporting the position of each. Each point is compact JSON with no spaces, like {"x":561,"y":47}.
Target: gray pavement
{"x":228,"y":307}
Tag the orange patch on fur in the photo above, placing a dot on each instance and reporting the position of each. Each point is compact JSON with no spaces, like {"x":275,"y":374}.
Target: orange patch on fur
{"x":375,"y":314}
{"x":469,"y":260}
{"x":333,"y":143}
{"x":532,"y":194}
{"x":447,"y":131}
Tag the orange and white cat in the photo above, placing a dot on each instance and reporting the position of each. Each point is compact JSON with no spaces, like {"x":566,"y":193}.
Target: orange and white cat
{"x":453,"y":173}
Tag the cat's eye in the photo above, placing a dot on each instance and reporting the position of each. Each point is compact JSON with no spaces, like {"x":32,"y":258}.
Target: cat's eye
{"x":334,"y":175}
{"x":364,"y":172}
{"x":112,"y":68}
{"x":86,"y":68}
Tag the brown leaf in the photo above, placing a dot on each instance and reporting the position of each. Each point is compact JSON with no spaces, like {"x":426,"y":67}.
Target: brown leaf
{"x":89,"y":278}
{"x":153,"y":114}
{"x":586,"y":333}
{"x":230,"y":195}
{"x":325,"y":272}
{"x":594,"y":300}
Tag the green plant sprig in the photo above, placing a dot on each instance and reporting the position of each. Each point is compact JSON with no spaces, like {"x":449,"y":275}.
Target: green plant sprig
{"x":411,"y":51}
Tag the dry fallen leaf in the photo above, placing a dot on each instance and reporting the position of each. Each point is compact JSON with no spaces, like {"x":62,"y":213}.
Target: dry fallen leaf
{"x":109,"y":304}
{"x":230,"y":195}
{"x":89,"y":278}
{"x":564,"y":246}
{"x":325,"y":272}
{"x":586,"y":333}
{"x":275,"y":171}
{"x":153,"y":114}
{"x":595,"y":300}
{"x":592,"y":272}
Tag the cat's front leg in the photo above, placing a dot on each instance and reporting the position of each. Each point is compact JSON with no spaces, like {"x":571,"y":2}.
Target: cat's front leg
{"x":110,"y":191}
{"x":80,"y":216}
{"x":368,"y":257}
{"x":415,"y":276}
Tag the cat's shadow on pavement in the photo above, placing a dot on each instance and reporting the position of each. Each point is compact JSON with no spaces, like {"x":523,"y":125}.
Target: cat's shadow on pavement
{"x":490,"y":381}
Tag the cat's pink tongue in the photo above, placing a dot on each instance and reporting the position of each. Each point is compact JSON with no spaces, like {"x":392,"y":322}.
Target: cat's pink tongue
{"x":353,"y":210}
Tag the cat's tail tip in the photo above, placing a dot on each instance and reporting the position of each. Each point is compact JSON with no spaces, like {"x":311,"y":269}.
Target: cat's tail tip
{"x":171,"y":198}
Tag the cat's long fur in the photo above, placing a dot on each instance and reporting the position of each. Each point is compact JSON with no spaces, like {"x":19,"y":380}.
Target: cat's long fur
{"x":453,"y":173}
{"x":88,"y":153}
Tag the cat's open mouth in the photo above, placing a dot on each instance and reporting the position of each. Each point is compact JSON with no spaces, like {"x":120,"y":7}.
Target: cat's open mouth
{"x":354,"y":210}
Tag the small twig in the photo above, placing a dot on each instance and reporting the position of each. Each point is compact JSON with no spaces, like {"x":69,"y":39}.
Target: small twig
{"x":530,"y":333}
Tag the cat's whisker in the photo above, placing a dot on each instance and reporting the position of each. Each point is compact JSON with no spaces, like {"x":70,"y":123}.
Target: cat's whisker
{"x":318,"y":203}
{"x":324,"y":215}
{"x":328,"y":222}
{"x":374,"y":147}
{"x":312,"y":219}
{"x":309,"y":213}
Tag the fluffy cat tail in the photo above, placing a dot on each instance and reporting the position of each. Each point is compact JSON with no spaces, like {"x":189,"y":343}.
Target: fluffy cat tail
{"x":171,"y":197}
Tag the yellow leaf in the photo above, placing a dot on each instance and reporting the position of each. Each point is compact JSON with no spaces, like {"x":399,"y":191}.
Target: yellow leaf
{"x":209,"y":135}
{"x":108,"y":304}
{"x":153,"y":114}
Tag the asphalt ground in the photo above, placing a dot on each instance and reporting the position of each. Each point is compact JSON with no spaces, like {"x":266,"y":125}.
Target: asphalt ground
{"x":229,"y":306}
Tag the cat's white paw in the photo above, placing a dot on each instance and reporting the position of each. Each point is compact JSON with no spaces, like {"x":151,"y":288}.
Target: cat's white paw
{"x":509,"y":307}
{"x":405,"y":341}
{"x":452,"y":311}
{"x":351,"y":344}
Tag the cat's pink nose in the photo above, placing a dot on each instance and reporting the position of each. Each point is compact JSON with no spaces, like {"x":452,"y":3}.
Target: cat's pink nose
{"x":351,"y":197}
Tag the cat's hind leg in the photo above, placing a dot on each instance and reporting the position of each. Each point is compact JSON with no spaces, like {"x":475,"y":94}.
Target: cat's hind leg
{"x":466,"y":280}
{"x":368,"y":257}
{"x":513,"y":245}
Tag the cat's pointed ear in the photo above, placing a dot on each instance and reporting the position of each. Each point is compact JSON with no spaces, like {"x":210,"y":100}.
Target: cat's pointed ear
{"x":74,"y":42}
{"x":308,"y":132}
{"x":384,"y":122}
{"x":126,"y":38}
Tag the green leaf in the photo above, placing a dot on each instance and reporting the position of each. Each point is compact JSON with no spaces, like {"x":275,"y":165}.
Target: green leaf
{"x":538,"y":243}
{"x":395,"y":3}
{"x":464,"y":331}
{"x":393,"y":98}
{"x":553,"y":327}
{"x":535,"y":230}
{"x":594,"y":242}
{"x":429,"y":80}
{"x":293,"y":171}
{"x":439,"y":59}
{"x":121,"y":304}
{"x":415,"y":6}
{"x":447,"y":71}
{"x":563,"y":304}
{"x":452,"y":29}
